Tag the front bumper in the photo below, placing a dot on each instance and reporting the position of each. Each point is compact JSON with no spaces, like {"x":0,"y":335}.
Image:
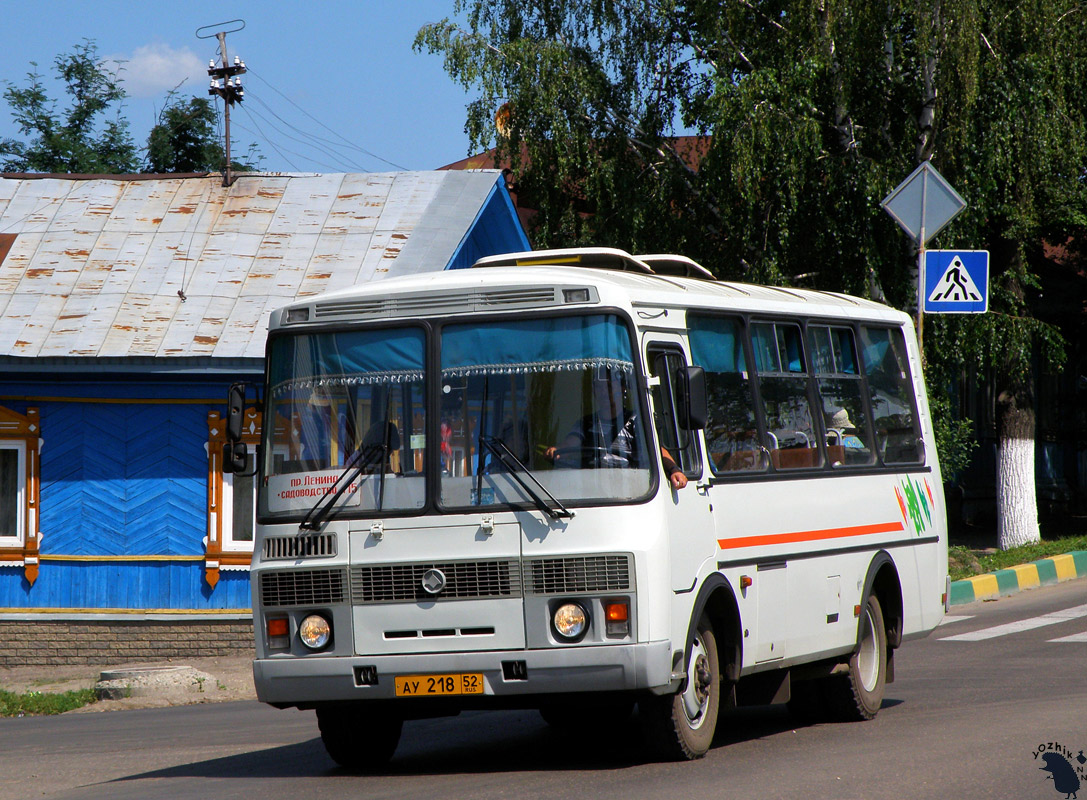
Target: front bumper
{"x":290,"y":680}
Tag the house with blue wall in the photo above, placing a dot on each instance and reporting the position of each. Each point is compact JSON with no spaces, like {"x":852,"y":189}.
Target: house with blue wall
{"x":128,"y":305}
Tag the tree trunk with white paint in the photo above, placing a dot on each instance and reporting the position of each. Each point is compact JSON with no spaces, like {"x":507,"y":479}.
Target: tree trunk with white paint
{"x":1016,"y":496}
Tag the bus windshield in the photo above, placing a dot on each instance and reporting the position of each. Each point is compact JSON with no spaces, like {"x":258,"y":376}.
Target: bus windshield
{"x":537,"y":412}
{"x":345,"y":406}
{"x":557,"y":396}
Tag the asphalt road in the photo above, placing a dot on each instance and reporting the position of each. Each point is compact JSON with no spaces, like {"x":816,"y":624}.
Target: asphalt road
{"x":970,"y":708}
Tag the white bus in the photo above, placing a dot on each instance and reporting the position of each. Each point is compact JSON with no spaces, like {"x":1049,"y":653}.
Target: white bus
{"x":467,"y":499}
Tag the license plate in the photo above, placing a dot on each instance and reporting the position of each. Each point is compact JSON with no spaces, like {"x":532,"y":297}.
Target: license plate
{"x":439,"y":685}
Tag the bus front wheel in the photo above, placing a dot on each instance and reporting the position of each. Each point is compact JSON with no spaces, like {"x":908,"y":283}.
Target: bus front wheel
{"x":357,"y":740}
{"x":681,"y":726}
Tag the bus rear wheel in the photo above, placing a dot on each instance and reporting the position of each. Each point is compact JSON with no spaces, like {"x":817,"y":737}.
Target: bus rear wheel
{"x":681,"y":726}
{"x":858,"y":694}
{"x":358,"y":740}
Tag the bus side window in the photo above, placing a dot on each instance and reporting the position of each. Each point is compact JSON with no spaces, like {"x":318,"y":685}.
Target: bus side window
{"x":894,"y":412}
{"x":681,"y":444}
{"x":783,"y":386}
{"x":845,"y":415}
{"x":732,"y":432}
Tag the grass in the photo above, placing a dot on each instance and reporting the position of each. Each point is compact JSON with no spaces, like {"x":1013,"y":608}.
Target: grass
{"x":37,"y":703}
{"x":965,"y":562}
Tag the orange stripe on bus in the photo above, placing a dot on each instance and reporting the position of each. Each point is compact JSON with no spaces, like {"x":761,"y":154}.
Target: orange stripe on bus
{"x":810,"y":536}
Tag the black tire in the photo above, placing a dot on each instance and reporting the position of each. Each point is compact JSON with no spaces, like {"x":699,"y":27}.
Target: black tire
{"x":858,"y":695}
{"x":680,"y":726}
{"x":358,"y":740}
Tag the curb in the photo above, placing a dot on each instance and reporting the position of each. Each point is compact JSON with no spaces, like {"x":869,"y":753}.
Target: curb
{"x":1003,"y":582}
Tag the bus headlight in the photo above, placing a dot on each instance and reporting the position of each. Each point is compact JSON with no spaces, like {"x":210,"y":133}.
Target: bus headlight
{"x":570,"y":621}
{"x":315,"y":632}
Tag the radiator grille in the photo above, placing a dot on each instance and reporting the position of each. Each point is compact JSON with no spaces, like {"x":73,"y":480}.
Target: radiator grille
{"x":610,"y":573}
{"x":465,"y":580}
{"x":278,"y":548}
{"x":298,"y":587}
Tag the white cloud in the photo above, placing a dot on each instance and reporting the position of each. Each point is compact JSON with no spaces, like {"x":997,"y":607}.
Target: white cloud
{"x":154,"y":69}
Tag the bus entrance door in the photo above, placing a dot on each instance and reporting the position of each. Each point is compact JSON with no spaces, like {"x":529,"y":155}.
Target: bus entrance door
{"x":689,"y":517}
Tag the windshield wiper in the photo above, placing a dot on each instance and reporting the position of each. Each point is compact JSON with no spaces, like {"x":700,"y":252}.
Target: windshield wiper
{"x":514,"y":466}
{"x":365,"y":457}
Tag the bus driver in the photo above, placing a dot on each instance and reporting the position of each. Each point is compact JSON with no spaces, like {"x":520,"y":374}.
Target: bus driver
{"x":611,"y":430}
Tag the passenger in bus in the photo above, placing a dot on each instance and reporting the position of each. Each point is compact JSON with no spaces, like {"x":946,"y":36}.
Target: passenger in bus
{"x":842,"y":431}
{"x":608,"y":436}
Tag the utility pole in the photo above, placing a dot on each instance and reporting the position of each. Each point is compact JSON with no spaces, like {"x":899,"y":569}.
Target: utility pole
{"x":226,"y":84}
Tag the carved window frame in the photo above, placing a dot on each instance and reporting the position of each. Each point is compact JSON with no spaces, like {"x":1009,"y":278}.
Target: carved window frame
{"x":25,"y":431}
{"x":220,"y":552}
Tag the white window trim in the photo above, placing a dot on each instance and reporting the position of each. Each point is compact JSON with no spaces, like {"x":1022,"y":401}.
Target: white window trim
{"x":229,"y":544}
{"x":19,"y":538}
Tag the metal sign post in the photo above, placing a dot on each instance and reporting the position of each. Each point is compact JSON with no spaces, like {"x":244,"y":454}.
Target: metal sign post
{"x":923,"y":205}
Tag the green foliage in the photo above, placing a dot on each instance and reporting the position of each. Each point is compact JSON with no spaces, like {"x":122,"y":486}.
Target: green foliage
{"x":14,"y":705}
{"x":954,"y":437}
{"x":79,"y":140}
{"x":82,"y":140}
{"x":184,"y":139}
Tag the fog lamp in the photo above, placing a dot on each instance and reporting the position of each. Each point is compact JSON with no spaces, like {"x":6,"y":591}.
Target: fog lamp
{"x":570,"y":621}
{"x":315,"y":631}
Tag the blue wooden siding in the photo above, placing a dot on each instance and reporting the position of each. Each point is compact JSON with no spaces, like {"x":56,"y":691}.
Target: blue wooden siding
{"x":83,"y":586}
{"x":123,"y":479}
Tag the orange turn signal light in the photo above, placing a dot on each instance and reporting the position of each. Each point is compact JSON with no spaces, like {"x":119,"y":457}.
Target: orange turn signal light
{"x":617,"y":611}
{"x":278,"y":627}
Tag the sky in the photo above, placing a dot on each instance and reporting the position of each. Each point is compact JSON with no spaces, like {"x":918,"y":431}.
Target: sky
{"x":341,"y":71}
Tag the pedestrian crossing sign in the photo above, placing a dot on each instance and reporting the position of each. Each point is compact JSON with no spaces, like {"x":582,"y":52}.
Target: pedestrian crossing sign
{"x":956,"y":282}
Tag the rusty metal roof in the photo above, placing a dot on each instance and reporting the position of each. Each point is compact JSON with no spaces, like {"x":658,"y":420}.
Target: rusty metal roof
{"x":93,"y":267}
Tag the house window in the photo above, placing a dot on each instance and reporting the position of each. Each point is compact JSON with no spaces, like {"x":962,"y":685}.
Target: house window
{"x":239,"y":507}
{"x":12,"y":493}
{"x":19,"y":488}
{"x":231,"y":507}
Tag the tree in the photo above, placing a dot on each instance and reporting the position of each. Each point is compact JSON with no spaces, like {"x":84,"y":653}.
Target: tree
{"x":813,"y":112}
{"x":79,"y":140}
{"x":185,"y":139}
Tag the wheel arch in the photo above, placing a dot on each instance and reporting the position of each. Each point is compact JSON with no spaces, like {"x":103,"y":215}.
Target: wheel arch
{"x":882,"y":580}
{"x":717,"y":599}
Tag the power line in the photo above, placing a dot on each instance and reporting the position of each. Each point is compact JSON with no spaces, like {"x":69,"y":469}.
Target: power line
{"x":320,"y":148}
{"x":273,"y":145}
{"x":334,"y":133}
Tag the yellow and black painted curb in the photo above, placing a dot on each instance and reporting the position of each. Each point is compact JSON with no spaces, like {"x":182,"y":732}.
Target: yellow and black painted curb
{"x":1045,"y":571}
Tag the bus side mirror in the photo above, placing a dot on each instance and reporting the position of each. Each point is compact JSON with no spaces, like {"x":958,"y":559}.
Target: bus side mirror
{"x":235,"y":456}
{"x":692,"y":404}
{"x":235,"y":413}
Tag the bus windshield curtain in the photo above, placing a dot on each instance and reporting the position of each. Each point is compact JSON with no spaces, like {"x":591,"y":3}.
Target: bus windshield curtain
{"x":539,"y":345}
{"x":346,"y":358}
